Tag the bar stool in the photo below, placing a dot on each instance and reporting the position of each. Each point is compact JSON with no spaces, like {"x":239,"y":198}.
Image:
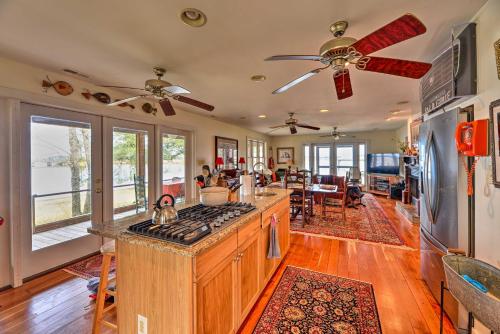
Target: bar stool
{"x":108,"y":253}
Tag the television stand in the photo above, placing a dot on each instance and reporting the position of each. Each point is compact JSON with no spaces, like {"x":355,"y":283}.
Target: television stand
{"x":380,"y":184}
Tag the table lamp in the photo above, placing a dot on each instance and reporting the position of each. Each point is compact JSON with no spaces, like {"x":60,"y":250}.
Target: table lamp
{"x":218,"y":162}
{"x":241,"y":162}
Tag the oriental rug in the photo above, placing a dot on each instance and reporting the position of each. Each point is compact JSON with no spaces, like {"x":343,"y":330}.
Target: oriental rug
{"x":310,"y":302}
{"x":366,"y":223}
{"x":89,"y":267}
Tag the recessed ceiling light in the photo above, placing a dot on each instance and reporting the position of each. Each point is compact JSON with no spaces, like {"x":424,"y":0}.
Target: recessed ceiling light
{"x":324,"y":110}
{"x":390,"y":119}
{"x":262,"y":116}
{"x":193,"y":17}
{"x":258,"y":77}
{"x":402,"y":102}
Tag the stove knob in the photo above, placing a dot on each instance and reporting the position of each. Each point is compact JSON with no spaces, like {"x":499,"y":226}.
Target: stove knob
{"x":231,"y":214}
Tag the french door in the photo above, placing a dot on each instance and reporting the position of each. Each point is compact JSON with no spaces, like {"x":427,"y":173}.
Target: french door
{"x":174,"y":163}
{"x":128,"y":168}
{"x":61,"y":186}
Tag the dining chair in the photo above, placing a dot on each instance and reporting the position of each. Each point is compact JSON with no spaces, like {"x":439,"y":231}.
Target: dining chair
{"x":338,"y":199}
{"x":300,"y":202}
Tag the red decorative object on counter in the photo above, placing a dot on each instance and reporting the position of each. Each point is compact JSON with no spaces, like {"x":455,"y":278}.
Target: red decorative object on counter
{"x":241,"y":162}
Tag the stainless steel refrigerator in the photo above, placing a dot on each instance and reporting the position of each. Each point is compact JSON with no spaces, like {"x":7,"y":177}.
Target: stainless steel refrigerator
{"x":443,"y":202}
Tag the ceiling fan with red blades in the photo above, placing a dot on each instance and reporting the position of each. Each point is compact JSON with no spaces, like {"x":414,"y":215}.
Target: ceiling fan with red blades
{"x":162,"y":90}
{"x":341,"y":51}
{"x":293,"y":123}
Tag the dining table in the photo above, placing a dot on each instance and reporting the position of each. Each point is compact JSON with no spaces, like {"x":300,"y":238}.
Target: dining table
{"x":320,"y":189}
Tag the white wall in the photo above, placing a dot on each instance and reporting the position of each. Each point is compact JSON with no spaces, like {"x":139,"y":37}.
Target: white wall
{"x":378,"y":142}
{"x":23,"y":82}
{"x":487,"y":196}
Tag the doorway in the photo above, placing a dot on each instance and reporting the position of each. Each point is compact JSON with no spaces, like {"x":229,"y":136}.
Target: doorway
{"x":60,"y":186}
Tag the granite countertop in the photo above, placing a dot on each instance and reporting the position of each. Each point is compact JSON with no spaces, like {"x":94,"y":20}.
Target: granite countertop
{"x":117,"y":229}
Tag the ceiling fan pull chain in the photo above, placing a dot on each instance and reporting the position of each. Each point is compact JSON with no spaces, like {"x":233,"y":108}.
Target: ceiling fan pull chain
{"x":343,"y":82}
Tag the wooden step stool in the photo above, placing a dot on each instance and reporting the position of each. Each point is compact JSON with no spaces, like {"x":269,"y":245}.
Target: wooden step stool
{"x":108,"y":253}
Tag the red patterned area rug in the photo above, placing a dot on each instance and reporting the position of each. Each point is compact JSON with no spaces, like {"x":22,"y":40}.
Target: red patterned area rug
{"x":368,"y":223}
{"x":310,"y":302}
{"x":89,"y":267}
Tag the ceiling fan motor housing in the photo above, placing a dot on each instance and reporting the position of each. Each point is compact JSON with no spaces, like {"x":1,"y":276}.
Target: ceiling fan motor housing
{"x":336,"y":48}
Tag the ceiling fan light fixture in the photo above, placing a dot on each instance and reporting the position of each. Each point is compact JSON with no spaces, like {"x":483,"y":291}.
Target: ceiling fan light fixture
{"x":193,"y":17}
{"x":324,"y":110}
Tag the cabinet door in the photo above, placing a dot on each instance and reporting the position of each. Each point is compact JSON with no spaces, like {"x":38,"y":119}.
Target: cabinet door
{"x":216,"y":298}
{"x":284,"y":231}
{"x":267,"y":265}
{"x":249,"y":275}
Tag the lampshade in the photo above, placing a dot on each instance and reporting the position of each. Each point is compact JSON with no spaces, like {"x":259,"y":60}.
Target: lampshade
{"x":219,"y":161}
{"x":242,"y":160}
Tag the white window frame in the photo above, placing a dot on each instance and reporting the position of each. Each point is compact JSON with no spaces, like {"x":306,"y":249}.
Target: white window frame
{"x":249,"y":156}
{"x":313,"y":159}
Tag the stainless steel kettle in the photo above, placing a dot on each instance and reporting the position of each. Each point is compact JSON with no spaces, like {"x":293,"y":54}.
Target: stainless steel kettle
{"x":164,"y":214}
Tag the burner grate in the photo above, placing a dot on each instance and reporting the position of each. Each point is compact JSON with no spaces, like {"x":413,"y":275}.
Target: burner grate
{"x":194,"y":223}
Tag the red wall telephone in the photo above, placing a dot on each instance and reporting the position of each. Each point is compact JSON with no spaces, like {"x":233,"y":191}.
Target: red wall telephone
{"x":472,"y":138}
{"x":472,"y":141}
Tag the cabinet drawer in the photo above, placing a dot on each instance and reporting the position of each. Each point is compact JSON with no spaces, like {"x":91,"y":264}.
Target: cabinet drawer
{"x":248,"y":230}
{"x":275,"y":209}
{"x":216,"y":254}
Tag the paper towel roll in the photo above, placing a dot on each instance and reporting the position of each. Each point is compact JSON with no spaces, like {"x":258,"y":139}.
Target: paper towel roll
{"x":246,"y":184}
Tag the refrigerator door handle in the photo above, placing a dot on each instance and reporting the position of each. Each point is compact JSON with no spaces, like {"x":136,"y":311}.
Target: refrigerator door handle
{"x":431,"y":165}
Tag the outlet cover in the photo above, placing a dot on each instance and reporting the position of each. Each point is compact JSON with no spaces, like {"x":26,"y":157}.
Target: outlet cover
{"x":142,"y":324}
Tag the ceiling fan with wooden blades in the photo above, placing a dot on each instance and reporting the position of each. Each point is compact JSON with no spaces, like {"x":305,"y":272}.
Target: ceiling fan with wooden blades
{"x":293,"y":123}
{"x":162,"y":90}
{"x":337,"y":135}
{"x":341,"y":51}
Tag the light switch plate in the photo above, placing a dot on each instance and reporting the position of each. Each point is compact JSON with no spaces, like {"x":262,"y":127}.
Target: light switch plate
{"x":142,"y":324}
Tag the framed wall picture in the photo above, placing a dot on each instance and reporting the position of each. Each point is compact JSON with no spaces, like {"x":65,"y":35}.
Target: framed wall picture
{"x":495,"y":140}
{"x":285,"y":155}
{"x":227,"y":149}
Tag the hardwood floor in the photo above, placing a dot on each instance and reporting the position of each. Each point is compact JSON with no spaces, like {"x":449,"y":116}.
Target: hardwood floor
{"x":58,"y":302}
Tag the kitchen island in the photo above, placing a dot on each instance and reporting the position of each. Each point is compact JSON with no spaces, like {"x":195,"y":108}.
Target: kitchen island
{"x":207,"y":287}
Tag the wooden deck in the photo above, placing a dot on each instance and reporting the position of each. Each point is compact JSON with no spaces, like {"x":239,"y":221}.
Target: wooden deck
{"x":58,"y":235}
{"x":59,"y":303}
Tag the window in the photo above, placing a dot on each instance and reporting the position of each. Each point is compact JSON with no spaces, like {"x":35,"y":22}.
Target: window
{"x":174,"y":166}
{"x":323,"y":160}
{"x":130,"y":172}
{"x":336,"y":158}
{"x":256,"y":152}
{"x":362,"y":162}
{"x":307,"y":157}
{"x":345,"y":159}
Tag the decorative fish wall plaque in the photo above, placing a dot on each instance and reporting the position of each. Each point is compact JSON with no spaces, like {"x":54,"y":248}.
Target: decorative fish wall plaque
{"x":61,"y":87}
{"x":149,"y":109}
{"x":101,"y":97}
{"x":497,"y":55}
{"x":125,"y":104}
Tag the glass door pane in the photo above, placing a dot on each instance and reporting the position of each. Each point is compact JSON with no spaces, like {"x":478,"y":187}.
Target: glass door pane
{"x":174,"y":166}
{"x":130,"y":172}
{"x":324,"y":160}
{"x":60,"y":180}
{"x":345,"y":159}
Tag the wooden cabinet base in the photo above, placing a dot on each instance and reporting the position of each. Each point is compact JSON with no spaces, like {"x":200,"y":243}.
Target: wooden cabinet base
{"x":211,"y":293}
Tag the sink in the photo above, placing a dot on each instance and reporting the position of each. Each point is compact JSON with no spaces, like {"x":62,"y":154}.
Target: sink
{"x":265,"y":194}
{"x":484,"y":306}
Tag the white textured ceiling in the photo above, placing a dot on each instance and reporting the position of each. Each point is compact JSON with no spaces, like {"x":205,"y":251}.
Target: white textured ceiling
{"x":119,"y":41}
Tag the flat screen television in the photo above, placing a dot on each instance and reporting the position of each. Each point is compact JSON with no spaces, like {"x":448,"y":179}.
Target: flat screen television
{"x":383,"y":163}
